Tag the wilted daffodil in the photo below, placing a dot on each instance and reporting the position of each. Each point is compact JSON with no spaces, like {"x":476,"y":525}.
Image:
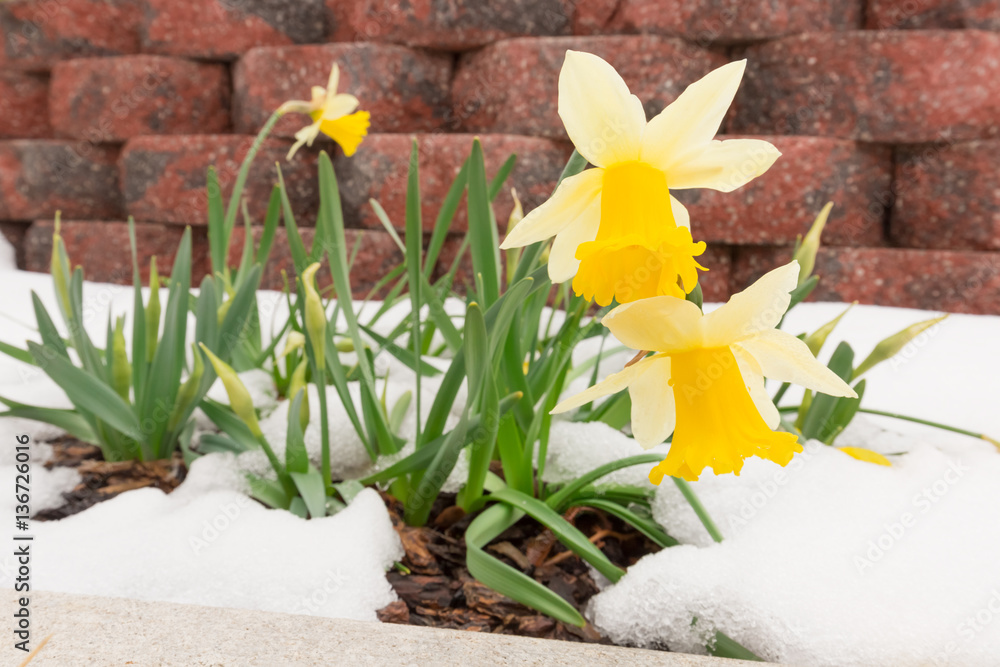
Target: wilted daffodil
{"x":705,"y":381}
{"x":617,"y":228}
{"x":333,"y":114}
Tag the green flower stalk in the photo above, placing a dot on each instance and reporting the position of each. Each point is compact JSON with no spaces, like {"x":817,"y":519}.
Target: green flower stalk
{"x":121,"y":369}
{"x":153,"y":311}
{"x":188,"y":392}
{"x":315,"y":315}
{"x":239,"y":397}
{"x":296,"y":384}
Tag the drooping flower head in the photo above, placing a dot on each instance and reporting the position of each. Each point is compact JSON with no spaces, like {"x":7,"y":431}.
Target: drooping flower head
{"x":705,"y":381}
{"x":333,"y":114}
{"x":617,"y":227}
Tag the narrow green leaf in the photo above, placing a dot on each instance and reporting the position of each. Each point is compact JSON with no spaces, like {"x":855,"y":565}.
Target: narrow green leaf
{"x":446,"y":214}
{"x":218,"y":240}
{"x":17,"y":353}
{"x":295,"y":244}
{"x":725,"y":647}
{"x":68,"y":420}
{"x":482,"y":229}
{"x":270,"y":227}
{"x":312,"y":490}
{"x":296,"y":457}
{"x":647,"y":527}
{"x":817,"y":421}
{"x":406,"y":357}
{"x":47,"y":328}
{"x":229,"y":423}
{"x":560,"y":500}
{"x":269,"y":492}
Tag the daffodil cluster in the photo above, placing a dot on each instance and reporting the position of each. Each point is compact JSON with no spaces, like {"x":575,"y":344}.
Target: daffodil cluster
{"x":620,"y":235}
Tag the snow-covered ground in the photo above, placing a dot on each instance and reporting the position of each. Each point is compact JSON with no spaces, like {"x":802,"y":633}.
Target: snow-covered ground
{"x":830,"y":561}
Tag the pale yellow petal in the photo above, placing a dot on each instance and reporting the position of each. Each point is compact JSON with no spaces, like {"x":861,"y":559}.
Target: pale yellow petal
{"x":604,"y":121}
{"x":723,"y":165}
{"x":866,"y":455}
{"x":754,"y":380}
{"x":785,"y":358}
{"x":693,"y":119}
{"x":659,"y":323}
{"x":307,"y":135}
{"x":757,"y":308}
{"x":334,"y":81}
{"x":563,"y":263}
{"x":340,"y":105}
{"x":609,"y":385}
{"x":566,"y":204}
{"x":681,"y":215}
{"x":653,"y":414}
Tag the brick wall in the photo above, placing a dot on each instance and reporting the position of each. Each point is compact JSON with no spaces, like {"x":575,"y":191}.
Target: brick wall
{"x":890,"y":108}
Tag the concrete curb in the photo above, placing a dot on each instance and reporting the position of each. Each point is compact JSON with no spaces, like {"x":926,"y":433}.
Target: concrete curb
{"x":88,"y":630}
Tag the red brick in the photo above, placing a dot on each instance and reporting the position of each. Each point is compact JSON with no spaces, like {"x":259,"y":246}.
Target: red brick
{"x":923,"y":14}
{"x":338,"y":21}
{"x":377,"y":256}
{"x":102,"y":249}
{"x":379,"y":170}
{"x":511,"y":86}
{"x":405,"y":90}
{"x":40,"y":33}
{"x":948,"y":196}
{"x":223,"y":29}
{"x":781,"y":204}
{"x":164,"y":178}
{"x":460,"y":26}
{"x":24,"y":105}
{"x":891,"y":87}
{"x":731,"y":21}
{"x":40,"y":177}
{"x":112,"y":99}
{"x":961,"y":282}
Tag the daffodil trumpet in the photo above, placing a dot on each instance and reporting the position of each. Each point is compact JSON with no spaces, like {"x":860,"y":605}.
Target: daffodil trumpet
{"x":334,"y":114}
{"x":704,"y":382}
{"x":619,"y":232}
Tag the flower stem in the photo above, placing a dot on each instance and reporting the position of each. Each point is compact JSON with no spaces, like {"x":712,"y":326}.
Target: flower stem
{"x":927,"y":422}
{"x":241,"y":178}
{"x":324,"y":430}
{"x":698,"y":508}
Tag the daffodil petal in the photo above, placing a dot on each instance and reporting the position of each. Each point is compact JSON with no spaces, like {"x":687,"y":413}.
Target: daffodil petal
{"x":723,"y":165}
{"x":603,"y":119}
{"x":660,"y":323}
{"x":757,"y":308}
{"x":653,"y":414}
{"x":681,"y":215}
{"x":339,"y":105}
{"x":693,"y":119}
{"x":334,"y":81}
{"x":566,"y":204}
{"x":609,"y":385}
{"x":563,"y":263}
{"x":754,"y":380}
{"x":784,"y":357}
{"x":866,"y":455}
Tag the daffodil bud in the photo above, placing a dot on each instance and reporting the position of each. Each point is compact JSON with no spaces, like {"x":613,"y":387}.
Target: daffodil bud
{"x":513,"y":255}
{"x":152,"y":311}
{"x":60,"y":269}
{"x":315,"y":315}
{"x":188,"y":391}
{"x":806,"y":251}
{"x":121,"y":369}
{"x":295,"y":341}
{"x":346,"y":345}
{"x":891,"y":346}
{"x":298,"y":382}
{"x":239,"y":397}
{"x":816,"y":339}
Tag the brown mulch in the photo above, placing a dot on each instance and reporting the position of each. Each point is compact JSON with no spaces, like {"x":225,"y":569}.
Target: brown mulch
{"x":102,"y":480}
{"x":432,"y":581}
{"x":436,"y":589}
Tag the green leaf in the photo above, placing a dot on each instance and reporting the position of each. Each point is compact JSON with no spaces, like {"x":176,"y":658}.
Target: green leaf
{"x":818,"y":420}
{"x":296,"y":457}
{"x":233,"y":331}
{"x":139,"y":366}
{"x":647,"y":527}
{"x":17,"y":353}
{"x":218,"y":240}
{"x":414,"y":259}
{"x":405,"y":356}
{"x":269,"y":492}
{"x":561,"y":500}
{"x":295,"y":244}
{"x":483,"y":237}
{"x":214,"y":442}
{"x":496,"y":185}
{"x":312,"y":490}
{"x":230,"y":424}
{"x":87,"y":393}
{"x":68,"y":420}
{"x":844,"y":412}
{"x":47,"y":328}
{"x":442,"y":224}
{"x":502,"y":577}
{"x":270,"y":227}
{"x":724,"y":647}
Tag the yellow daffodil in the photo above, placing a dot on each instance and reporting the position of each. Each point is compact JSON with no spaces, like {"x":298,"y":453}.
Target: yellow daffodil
{"x":333,"y":114}
{"x":705,"y":381}
{"x":617,"y":228}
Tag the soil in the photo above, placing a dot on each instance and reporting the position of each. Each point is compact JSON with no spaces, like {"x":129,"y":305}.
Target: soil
{"x":432,"y":581}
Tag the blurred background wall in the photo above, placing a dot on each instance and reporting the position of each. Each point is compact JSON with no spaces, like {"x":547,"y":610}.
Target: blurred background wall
{"x":888,"y":108}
